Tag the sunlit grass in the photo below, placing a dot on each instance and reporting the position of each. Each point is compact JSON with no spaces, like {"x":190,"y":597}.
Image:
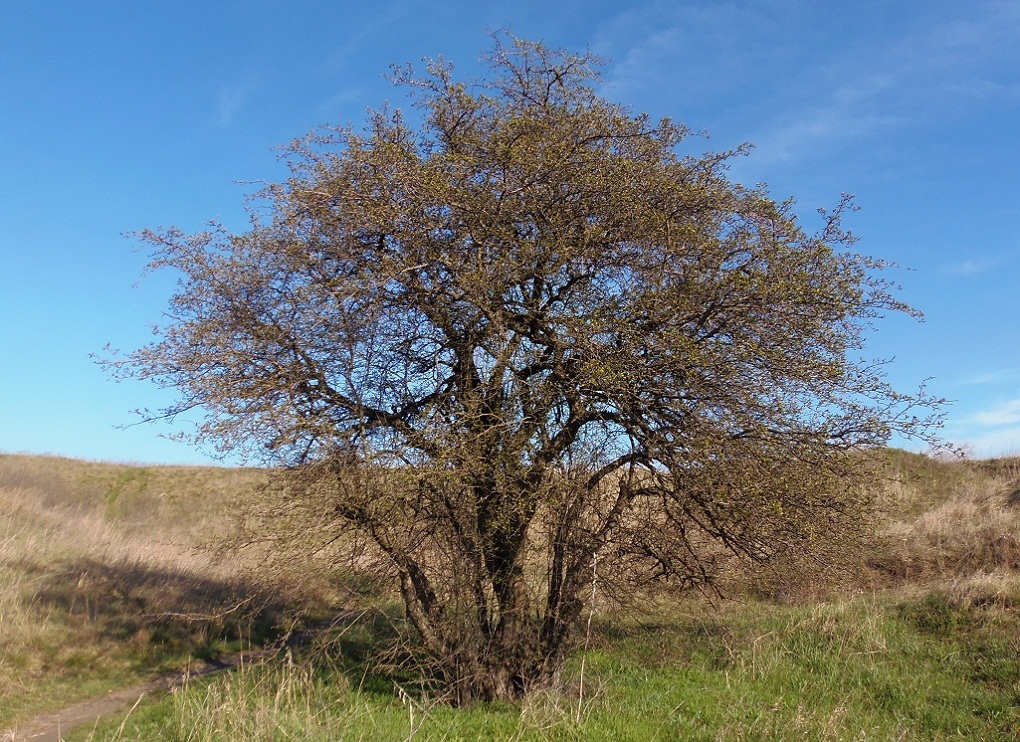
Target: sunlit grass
{"x":891,"y":667}
{"x":103,"y":581}
{"x":101,"y":584}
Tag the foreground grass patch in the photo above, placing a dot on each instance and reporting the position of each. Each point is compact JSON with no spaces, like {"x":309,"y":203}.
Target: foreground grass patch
{"x":923,"y":667}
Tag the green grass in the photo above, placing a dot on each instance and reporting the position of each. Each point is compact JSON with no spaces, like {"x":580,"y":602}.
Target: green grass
{"x":922,"y":667}
{"x":103,"y":582}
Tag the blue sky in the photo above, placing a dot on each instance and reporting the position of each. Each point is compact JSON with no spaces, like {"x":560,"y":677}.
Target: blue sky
{"x":116,"y":116}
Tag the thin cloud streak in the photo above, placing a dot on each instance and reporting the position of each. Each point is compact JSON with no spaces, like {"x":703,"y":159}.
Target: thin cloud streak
{"x":806,"y":107}
{"x":1007,"y":413}
{"x":970,"y":267}
{"x":1000,"y":376}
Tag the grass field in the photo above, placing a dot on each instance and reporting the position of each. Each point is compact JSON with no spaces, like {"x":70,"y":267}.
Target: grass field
{"x":108,"y":575}
{"x":103,"y":579}
{"x":911,"y":665}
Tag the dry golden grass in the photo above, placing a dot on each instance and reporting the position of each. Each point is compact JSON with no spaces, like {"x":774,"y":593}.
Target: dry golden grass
{"x":968,"y":529}
{"x":107,"y":574}
{"x":953,"y":525}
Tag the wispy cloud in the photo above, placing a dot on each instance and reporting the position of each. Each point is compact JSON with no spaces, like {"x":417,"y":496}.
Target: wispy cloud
{"x":811,"y":128}
{"x":970,"y":267}
{"x":230,"y":99}
{"x":1006,"y":413}
{"x":993,"y":431}
{"x":929,"y":75}
{"x":827,"y":86}
{"x":1003,"y":442}
{"x":1000,"y":376}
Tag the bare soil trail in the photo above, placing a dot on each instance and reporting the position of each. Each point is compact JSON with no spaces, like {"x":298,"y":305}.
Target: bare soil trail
{"x":51,"y":727}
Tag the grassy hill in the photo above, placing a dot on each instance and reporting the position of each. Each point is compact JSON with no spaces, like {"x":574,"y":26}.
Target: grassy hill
{"x":110,"y":573}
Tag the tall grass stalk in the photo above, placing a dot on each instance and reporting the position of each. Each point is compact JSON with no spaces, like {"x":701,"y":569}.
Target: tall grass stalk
{"x":587,"y":632}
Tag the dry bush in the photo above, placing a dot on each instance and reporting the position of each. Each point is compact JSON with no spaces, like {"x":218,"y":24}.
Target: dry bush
{"x":933,"y":520}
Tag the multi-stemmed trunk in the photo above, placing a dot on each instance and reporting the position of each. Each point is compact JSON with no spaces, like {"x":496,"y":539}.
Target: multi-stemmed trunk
{"x":494,"y":629}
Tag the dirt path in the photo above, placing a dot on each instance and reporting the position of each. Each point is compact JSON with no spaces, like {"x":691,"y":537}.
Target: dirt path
{"x":51,"y":727}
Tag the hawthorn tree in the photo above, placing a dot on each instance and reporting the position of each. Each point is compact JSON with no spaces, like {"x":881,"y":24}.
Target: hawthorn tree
{"x":528,"y":344}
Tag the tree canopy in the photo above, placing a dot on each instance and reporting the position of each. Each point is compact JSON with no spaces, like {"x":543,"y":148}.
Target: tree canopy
{"x":528,"y":342}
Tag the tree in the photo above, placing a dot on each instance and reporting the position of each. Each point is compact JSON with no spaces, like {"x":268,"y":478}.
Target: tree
{"x":529,"y":342}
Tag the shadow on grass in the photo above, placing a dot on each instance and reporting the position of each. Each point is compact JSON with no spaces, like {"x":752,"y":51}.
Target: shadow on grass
{"x":162,"y":616}
{"x":376,"y":652}
{"x":158,"y":614}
